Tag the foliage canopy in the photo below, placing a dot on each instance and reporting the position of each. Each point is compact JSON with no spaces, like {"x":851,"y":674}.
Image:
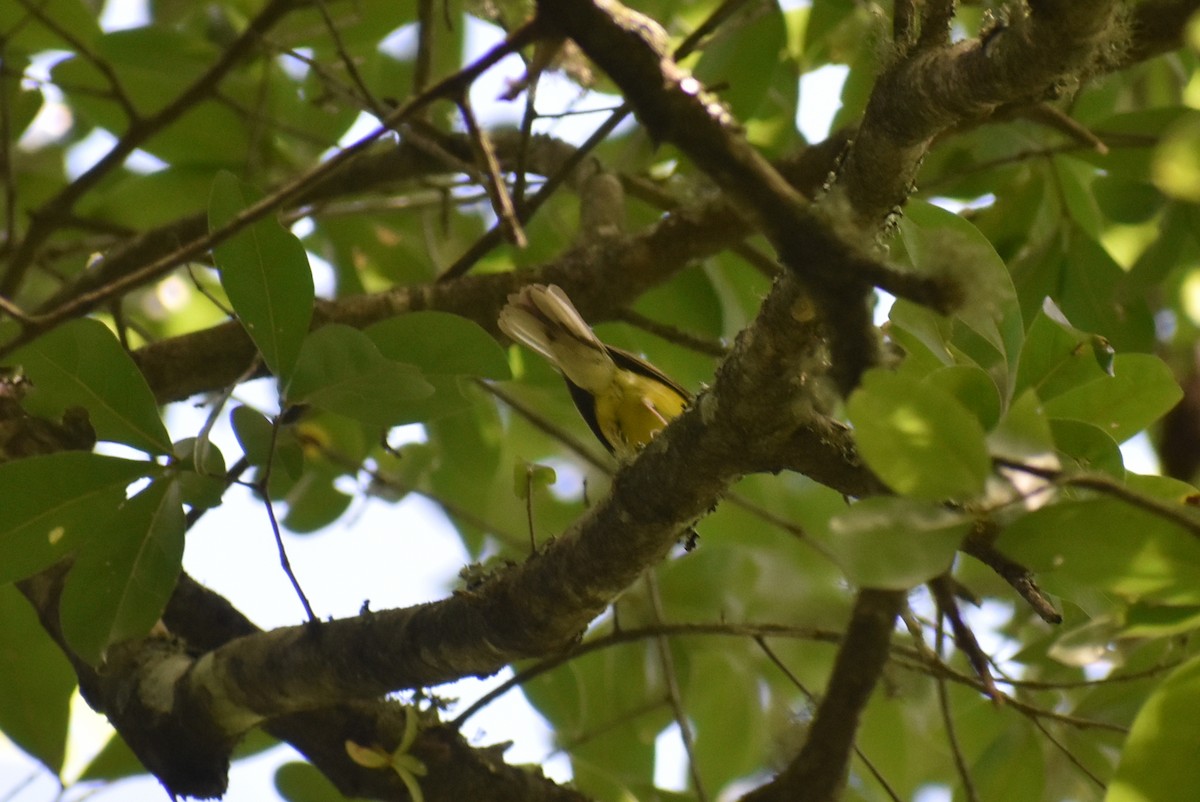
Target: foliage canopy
{"x":1024,"y":182}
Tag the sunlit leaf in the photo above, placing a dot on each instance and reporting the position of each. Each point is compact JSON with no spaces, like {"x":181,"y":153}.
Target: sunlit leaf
{"x":1158,"y":759}
{"x":918,"y":438}
{"x":1139,"y":392}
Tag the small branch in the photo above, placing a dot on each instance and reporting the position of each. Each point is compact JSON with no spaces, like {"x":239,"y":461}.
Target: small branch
{"x":947,"y":607}
{"x":485,"y":154}
{"x":960,"y":762}
{"x":812,"y":700}
{"x":85,"y":302}
{"x":1178,"y":515}
{"x":979,"y":545}
{"x":667,"y":663}
{"x":46,"y":219}
{"x":264,"y":491}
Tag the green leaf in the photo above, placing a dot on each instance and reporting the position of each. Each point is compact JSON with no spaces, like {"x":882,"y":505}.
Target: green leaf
{"x":439,"y":342}
{"x":341,"y":370}
{"x":1140,"y":391}
{"x":37,"y":681}
{"x":54,"y":503}
{"x":1093,"y":297}
{"x":1159,"y":757}
{"x":314,"y":502}
{"x":744,"y":58}
{"x":266,"y":275}
{"x":1055,"y":357}
{"x":1075,"y":184}
{"x":23,"y":35}
{"x":895,"y":543}
{"x":1087,"y":447}
{"x":254,"y":432}
{"x":1176,"y":161}
{"x":973,"y":388}
{"x":121,"y":580}
{"x":529,"y":478}
{"x":1160,"y":620}
{"x":200,"y":472}
{"x":81,"y":364}
{"x":155,"y":64}
{"x":301,"y":782}
{"x":918,"y":438}
{"x":1078,"y":548}
{"x":949,"y":247}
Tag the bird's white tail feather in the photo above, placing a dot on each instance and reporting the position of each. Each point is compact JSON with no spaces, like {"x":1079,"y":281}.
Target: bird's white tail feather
{"x":543,"y":319}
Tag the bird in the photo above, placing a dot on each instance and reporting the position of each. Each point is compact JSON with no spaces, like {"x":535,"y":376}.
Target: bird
{"x":624,"y":399}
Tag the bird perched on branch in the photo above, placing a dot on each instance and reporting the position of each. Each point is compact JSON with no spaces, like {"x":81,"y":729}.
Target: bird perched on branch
{"x":624,"y":399}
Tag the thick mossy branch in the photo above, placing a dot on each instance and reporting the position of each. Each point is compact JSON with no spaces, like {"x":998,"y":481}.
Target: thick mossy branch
{"x":1040,"y":55}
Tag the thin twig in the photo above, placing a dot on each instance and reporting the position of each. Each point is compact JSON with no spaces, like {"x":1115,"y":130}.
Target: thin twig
{"x":84,"y":302}
{"x":80,"y":47}
{"x":960,"y":762}
{"x":46,"y":219}
{"x":264,"y":491}
{"x":622,"y":636}
{"x":494,"y":235}
{"x":1177,"y":515}
{"x":812,"y":700}
{"x":963,"y":636}
{"x":493,"y":181}
{"x":672,"y":334}
{"x":667,"y":663}
{"x":1075,"y":761}
{"x":348,"y":61}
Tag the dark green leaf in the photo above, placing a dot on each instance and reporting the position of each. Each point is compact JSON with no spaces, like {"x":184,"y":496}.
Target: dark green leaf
{"x":743,"y":59}
{"x":947,"y":247}
{"x":266,"y":275}
{"x":121,"y":579}
{"x":314,"y":502}
{"x":254,"y":432}
{"x":1093,"y":297}
{"x":1160,"y":620}
{"x":81,"y":364}
{"x":918,"y":438}
{"x":55,"y":503}
{"x":439,"y":342}
{"x":37,"y":682}
{"x":973,"y":388}
{"x":341,"y":370}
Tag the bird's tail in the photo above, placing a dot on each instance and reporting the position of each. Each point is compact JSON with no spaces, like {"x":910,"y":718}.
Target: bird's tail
{"x":542,"y":318}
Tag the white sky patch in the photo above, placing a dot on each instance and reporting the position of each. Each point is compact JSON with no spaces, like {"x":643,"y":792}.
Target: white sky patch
{"x":820,"y":99}
{"x":670,"y":760}
{"x":121,"y":14}
{"x":1139,"y":456}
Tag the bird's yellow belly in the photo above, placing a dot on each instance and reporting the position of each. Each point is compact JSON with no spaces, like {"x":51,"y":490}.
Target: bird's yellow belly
{"x":634,"y":410}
